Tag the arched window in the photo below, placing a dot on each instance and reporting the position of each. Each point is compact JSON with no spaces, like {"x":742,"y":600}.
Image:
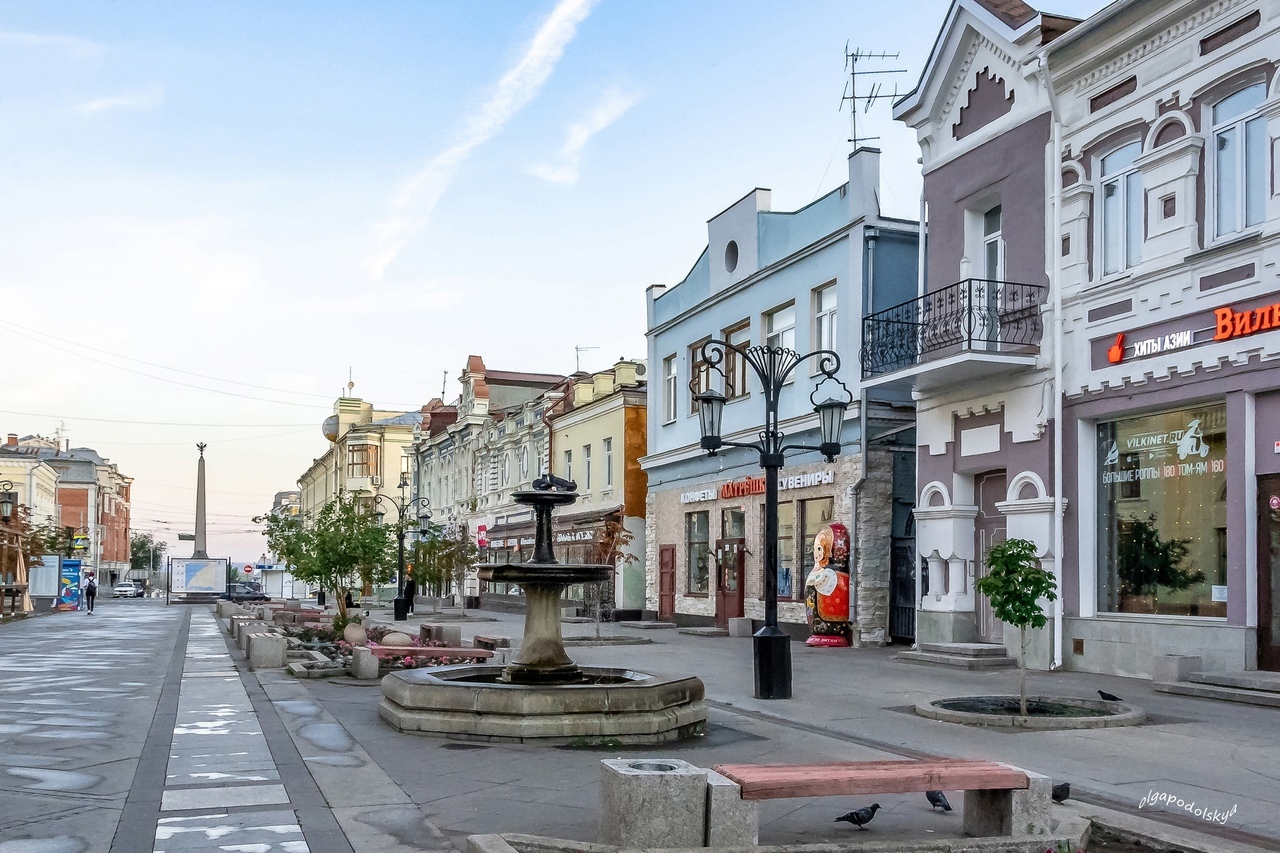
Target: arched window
{"x":1121,"y":222}
{"x":1239,"y":161}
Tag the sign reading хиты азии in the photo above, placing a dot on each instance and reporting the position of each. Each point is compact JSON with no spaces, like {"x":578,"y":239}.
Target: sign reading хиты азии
{"x":1228,"y":324}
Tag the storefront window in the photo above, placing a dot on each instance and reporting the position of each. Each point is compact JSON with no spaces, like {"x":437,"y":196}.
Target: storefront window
{"x":734,"y":523}
{"x":815,"y":514}
{"x":786,"y":549}
{"x":698,"y":530}
{"x":1162,"y":513}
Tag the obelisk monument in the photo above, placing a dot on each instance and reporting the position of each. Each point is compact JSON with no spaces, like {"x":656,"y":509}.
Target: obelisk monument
{"x":199,"y":553}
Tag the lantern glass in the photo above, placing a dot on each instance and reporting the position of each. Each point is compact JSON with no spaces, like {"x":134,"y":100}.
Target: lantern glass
{"x":830,"y":421}
{"x":710,"y":411}
{"x":7,"y":502}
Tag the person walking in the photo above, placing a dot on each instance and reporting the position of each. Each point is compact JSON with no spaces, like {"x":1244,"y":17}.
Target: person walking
{"x":410,"y":592}
{"x":89,"y":591}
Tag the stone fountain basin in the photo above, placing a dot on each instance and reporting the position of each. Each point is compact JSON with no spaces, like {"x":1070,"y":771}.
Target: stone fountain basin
{"x":467,"y":702}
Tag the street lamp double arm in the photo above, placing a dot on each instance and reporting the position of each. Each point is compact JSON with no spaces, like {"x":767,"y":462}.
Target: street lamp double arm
{"x":772,"y":366}
{"x":402,"y":507}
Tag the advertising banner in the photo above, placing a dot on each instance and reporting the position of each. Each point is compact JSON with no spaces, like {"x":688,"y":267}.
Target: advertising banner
{"x":68,"y":586}
{"x":197,"y":576}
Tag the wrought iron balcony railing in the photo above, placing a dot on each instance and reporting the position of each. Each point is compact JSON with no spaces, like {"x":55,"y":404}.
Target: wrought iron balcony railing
{"x":974,"y":315}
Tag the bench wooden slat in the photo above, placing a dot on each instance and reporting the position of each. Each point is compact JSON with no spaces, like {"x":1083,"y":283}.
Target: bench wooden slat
{"x":783,"y":781}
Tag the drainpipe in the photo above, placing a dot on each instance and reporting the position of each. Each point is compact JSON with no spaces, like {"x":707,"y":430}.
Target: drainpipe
{"x":1059,"y":505}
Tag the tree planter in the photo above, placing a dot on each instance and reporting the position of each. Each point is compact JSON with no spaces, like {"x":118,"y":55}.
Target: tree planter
{"x":1046,"y":712}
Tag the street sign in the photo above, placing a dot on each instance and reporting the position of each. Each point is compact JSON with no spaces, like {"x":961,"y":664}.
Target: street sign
{"x":248,"y":570}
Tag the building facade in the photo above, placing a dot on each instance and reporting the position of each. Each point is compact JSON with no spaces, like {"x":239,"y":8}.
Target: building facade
{"x":34,"y":480}
{"x":790,"y":280}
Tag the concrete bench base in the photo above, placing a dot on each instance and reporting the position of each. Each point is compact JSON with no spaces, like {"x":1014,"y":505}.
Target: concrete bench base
{"x":648,"y":803}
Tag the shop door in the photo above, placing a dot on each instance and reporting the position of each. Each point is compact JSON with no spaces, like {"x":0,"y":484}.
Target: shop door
{"x":666,"y":582}
{"x":1269,"y":573}
{"x":731,"y":555}
{"x":988,"y":529}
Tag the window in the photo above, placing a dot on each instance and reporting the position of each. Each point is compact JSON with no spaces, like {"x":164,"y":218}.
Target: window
{"x":735,"y":366}
{"x":1239,"y":161}
{"x":568,"y":464}
{"x":700,"y":373}
{"x":506,"y":468}
{"x":669,"y":389}
{"x":780,"y":328}
{"x":697,"y":542}
{"x":608,"y":462}
{"x":993,"y":244}
{"x":824,"y":318}
{"x":1122,"y":209}
{"x":362,"y":460}
{"x":524,"y":463}
{"x":1159,"y":548}
{"x":586,"y":467}
{"x":798,"y":526}
{"x":786,"y":549}
{"x":814,"y":515}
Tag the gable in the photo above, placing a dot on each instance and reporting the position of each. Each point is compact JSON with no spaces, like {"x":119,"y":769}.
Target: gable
{"x":986,"y":101}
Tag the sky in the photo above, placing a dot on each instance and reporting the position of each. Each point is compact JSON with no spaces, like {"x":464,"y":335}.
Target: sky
{"x":214,"y":216}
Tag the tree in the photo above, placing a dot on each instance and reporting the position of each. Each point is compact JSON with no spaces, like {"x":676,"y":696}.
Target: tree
{"x":458,"y":556}
{"x":1145,"y":562}
{"x":343,"y":545}
{"x":146,"y":552}
{"x":1015,"y":585}
{"x":431,"y":569}
{"x":46,"y":538}
{"x":610,"y":550}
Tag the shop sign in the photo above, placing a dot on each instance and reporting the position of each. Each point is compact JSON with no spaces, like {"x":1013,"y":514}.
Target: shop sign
{"x":575,"y":536}
{"x":698,"y":496}
{"x":1188,"y":443}
{"x":1228,"y":323}
{"x":749,"y":486}
{"x":1236,"y":324}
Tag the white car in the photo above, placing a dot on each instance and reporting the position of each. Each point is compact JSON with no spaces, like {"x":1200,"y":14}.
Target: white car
{"x":126,"y":590}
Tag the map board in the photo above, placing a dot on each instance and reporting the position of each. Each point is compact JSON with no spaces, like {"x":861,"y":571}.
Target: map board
{"x":189,"y":575}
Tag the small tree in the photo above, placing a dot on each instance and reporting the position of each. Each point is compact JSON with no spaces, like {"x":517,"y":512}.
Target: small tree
{"x":145,"y":552}
{"x":610,"y":550}
{"x":1015,"y":585}
{"x":459,"y":554}
{"x":431,"y":568}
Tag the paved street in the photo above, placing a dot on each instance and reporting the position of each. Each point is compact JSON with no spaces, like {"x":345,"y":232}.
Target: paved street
{"x":139,"y":729}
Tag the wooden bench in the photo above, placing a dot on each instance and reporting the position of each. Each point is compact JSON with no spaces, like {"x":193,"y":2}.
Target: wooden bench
{"x":999,"y":800}
{"x":491,"y":642}
{"x":428,"y":652}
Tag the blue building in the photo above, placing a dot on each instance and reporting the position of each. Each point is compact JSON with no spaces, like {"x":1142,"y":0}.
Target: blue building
{"x":801,"y":280}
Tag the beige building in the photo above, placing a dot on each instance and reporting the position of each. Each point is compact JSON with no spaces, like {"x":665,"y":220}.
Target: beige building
{"x":34,"y":480}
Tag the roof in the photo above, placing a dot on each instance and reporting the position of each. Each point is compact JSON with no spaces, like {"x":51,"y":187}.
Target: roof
{"x":1013,"y":13}
{"x":515,"y":378}
{"x":406,"y":419}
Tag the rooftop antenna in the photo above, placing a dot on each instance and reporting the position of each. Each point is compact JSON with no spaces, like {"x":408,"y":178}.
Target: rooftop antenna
{"x":876,"y":92}
{"x":577,"y":357}
{"x":351,"y":383}
{"x":444,"y":384}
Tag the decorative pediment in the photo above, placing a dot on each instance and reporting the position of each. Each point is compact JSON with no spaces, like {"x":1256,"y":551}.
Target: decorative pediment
{"x":987,"y":101}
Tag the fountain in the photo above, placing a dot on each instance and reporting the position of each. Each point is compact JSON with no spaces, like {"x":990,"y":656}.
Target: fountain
{"x":542,"y":696}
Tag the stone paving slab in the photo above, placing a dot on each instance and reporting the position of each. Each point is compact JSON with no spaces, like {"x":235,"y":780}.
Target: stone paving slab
{"x":180,"y":799}
{"x":260,"y":832}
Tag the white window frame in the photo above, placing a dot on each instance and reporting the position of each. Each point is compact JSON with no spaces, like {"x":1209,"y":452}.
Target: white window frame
{"x":608,"y":463}
{"x":670,"y":389}
{"x":586,"y":467}
{"x":1238,"y":124}
{"x":568,"y":464}
{"x":736,"y":369}
{"x":1123,"y":180}
{"x":783,"y":336}
{"x":996,"y":237}
{"x":825,"y":318}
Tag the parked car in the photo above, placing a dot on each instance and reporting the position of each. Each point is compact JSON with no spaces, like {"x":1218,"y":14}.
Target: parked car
{"x":126,"y":589}
{"x":244,"y":592}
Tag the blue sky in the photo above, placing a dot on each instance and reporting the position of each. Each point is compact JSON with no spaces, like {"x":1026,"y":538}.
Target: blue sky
{"x":273,"y":193}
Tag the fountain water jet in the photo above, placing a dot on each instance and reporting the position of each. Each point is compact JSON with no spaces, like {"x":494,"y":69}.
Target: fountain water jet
{"x":542,"y":695}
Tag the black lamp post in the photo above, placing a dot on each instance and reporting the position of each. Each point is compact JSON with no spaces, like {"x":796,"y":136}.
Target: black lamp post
{"x":8,"y":501}
{"x":400,"y":606}
{"x":772,"y":366}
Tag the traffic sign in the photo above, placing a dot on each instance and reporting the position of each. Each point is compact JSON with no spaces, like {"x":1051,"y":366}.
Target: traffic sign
{"x":248,"y":570}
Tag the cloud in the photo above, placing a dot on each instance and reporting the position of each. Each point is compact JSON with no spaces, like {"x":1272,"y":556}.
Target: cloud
{"x":515,"y":89}
{"x":611,"y":108}
{"x":74,"y":45}
{"x":141,"y":99}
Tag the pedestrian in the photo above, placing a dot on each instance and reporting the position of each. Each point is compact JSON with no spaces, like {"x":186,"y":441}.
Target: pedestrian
{"x":90,"y":591}
{"x":410,"y":591}
{"x":349,"y":601}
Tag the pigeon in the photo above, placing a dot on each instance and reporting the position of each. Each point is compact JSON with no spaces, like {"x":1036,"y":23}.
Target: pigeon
{"x":861,"y":817}
{"x":1110,"y":697}
{"x":1061,"y":792}
{"x":938,"y":800}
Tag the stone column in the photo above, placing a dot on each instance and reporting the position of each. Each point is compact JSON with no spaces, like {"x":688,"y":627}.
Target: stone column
{"x":199,"y":552}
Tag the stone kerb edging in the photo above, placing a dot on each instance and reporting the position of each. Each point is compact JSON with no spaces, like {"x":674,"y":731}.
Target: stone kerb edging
{"x":1071,"y":835}
{"x":1118,"y":714}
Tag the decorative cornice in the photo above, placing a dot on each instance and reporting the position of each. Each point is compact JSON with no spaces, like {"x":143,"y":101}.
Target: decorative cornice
{"x":1155,"y":43}
{"x":961,"y":77}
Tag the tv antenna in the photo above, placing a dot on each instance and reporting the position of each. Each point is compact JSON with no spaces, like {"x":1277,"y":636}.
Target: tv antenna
{"x":577,"y":357}
{"x":444,"y":384}
{"x":868,"y":98}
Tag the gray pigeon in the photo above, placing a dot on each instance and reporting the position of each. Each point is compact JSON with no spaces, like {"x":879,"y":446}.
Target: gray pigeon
{"x":1110,"y":697}
{"x":1061,"y":792}
{"x":938,"y":800}
{"x":861,"y":817}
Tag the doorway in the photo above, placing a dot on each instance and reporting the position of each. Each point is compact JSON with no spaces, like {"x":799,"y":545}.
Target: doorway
{"x":988,"y":529}
{"x":666,"y":582}
{"x":731,"y":559}
{"x":1269,"y":572}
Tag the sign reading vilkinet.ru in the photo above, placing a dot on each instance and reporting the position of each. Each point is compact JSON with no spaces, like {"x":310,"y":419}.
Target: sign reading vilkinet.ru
{"x":203,"y":576}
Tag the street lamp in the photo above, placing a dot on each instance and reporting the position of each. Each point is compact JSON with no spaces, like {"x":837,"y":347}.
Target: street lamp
{"x":400,"y":607}
{"x":8,"y":500}
{"x":772,"y":366}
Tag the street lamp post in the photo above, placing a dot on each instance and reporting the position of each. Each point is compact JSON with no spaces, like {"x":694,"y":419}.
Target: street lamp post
{"x":400,"y":607}
{"x":772,"y":366}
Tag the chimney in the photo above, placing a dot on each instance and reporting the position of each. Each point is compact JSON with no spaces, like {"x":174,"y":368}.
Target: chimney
{"x":864,"y":183}
{"x":624,"y":373}
{"x":12,"y":441}
{"x":603,"y":382}
{"x":583,"y":392}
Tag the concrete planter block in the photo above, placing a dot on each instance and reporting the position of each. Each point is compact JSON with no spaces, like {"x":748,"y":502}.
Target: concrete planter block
{"x":364,"y":664}
{"x":731,"y":820}
{"x":267,"y":651}
{"x":428,"y":632}
{"x":293,"y":604}
{"x":249,"y":626}
{"x":451,"y":635}
{"x":568,"y":613}
{"x":740,"y":626}
{"x":1020,"y":813}
{"x":1173,"y":668}
{"x":652,"y":802}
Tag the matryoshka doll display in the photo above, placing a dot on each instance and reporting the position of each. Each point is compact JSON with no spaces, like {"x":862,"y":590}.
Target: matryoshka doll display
{"x":827,"y":588}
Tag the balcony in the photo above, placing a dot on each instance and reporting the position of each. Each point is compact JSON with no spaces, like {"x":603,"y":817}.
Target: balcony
{"x":966,"y":331}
